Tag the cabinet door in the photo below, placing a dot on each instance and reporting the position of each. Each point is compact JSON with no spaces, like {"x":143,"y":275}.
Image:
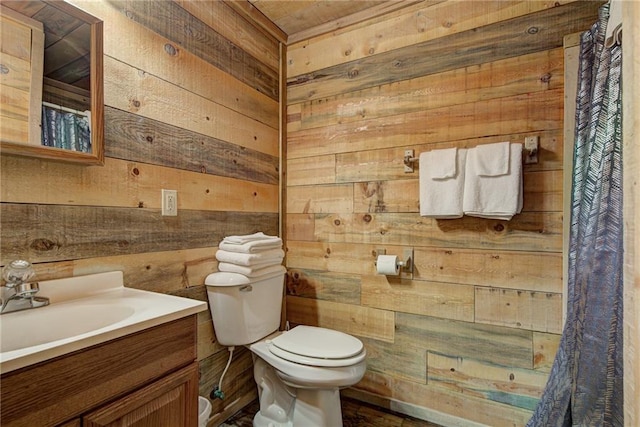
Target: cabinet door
{"x":168,"y":402}
{"x":21,"y":60}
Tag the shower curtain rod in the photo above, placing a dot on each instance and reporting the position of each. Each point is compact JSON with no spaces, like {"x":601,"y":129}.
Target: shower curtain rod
{"x":68,"y":110}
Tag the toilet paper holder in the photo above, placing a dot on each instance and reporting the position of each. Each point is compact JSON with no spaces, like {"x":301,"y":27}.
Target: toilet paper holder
{"x":405,"y":264}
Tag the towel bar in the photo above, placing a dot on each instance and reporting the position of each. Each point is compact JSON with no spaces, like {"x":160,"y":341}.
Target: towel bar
{"x":529,"y":154}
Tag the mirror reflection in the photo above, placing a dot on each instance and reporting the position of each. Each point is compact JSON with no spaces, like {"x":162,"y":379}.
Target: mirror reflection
{"x":68,"y":94}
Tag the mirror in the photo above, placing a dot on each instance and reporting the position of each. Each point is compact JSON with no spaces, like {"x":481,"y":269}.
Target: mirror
{"x":51,"y":76}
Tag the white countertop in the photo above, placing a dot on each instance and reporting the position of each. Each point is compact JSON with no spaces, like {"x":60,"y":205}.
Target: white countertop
{"x":84,"y":311}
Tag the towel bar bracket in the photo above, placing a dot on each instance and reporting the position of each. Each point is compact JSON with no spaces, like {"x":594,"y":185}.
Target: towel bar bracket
{"x":409,"y":161}
{"x":531,"y":148}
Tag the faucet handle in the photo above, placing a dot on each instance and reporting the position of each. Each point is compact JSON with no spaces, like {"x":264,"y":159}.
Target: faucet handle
{"x":18,"y":272}
{"x":26,"y":290}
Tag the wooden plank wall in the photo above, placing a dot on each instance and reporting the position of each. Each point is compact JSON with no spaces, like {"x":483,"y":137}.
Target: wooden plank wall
{"x":192,"y":104}
{"x":631,"y":153}
{"x":474,"y":333}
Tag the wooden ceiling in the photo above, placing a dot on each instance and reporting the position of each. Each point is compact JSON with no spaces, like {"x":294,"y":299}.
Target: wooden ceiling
{"x":291,"y":21}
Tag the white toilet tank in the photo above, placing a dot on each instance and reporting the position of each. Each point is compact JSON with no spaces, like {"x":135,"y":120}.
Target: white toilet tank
{"x":244,"y":310}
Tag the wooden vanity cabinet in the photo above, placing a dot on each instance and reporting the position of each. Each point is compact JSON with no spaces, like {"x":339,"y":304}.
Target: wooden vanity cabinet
{"x":164,"y":403}
{"x":149,"y":378}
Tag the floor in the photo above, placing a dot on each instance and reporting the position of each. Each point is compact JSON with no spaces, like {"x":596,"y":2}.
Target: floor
{"x":354,"y":414}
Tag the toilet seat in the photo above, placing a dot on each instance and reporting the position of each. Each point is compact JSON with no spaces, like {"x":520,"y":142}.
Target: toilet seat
{"x":314,"y":346}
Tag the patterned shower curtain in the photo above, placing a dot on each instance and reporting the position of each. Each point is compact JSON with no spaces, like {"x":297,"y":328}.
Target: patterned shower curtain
{"x":585,"y":387}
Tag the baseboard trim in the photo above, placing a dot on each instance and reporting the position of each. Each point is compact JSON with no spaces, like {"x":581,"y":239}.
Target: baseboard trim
{"x":415,"y":411}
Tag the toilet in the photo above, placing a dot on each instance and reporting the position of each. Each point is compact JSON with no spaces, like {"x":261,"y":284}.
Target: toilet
{"x":299,"y":372}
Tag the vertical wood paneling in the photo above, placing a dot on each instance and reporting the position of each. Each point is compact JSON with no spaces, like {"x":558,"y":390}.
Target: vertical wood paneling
{"x":631,"y":128}
{"x":478,"y":324}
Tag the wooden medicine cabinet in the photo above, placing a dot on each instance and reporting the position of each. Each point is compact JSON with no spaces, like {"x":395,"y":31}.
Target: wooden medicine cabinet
{"x":51,"y":80}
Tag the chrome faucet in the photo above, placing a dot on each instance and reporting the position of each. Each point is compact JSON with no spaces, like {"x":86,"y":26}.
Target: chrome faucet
{"x":18,"y":275}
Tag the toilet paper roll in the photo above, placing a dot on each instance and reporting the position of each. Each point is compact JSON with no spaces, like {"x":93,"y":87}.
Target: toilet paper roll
{"x":387,"y":265}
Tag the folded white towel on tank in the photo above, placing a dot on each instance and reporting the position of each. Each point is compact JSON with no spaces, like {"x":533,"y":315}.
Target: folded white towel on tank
{"x":251,"y":247}
{"x":248,"y":238}
{"x":250,"y":271}
{"x":273,"y":256}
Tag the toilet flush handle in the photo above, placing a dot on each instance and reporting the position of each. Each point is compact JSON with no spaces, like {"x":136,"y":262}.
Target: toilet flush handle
{"x":246,"y":288}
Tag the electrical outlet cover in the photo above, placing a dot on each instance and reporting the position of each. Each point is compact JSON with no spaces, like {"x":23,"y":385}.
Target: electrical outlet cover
{"x":169,"y":202}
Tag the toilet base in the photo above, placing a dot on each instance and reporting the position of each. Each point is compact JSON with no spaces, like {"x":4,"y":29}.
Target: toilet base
{"x":284,"y":406}
{"x":317,"y":408}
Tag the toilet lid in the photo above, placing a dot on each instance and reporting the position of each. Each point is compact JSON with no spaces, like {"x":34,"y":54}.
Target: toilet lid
{"x":318,"y":346}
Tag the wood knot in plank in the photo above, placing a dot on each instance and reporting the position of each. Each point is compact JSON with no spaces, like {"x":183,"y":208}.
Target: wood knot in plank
{"x":353,"y":73}
{"x":297,"y":284}
{"x":546,"y":78}
{"x":134,"y":104}
{"x":533,"y":30}
{"x":170,"y":49}
{"x":4,"y":69}
{"x":498,"y":227}
{"x":336,"y":221}
{"x":366,"y":218}
{"x":44,"y":245}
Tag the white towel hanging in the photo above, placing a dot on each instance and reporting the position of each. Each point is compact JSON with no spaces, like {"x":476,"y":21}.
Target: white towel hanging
{"x":497,"y":197}
{"x":441,"y":198}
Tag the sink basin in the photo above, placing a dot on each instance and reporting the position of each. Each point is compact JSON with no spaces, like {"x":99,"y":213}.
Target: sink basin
{"x":55,"y":322}
{"x":84,"y":311}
